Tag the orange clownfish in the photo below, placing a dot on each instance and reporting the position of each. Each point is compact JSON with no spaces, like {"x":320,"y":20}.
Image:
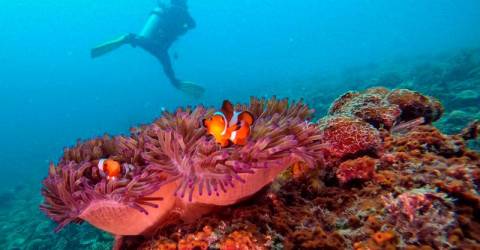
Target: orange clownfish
{"x":109,"y":168}
{"x":228,"y":126}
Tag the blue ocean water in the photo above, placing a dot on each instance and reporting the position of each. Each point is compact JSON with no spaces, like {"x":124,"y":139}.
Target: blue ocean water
{"x":52,"y":93}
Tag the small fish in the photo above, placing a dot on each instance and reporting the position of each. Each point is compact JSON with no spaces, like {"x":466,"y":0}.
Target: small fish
{"x":109,"y":168}
{"x":228,"y":126}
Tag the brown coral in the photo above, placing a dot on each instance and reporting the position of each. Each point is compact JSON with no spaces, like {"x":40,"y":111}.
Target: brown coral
{"x":383,"y":108}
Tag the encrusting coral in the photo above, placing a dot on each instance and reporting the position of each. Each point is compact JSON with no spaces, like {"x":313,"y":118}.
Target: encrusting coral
{"x":374,"y":174}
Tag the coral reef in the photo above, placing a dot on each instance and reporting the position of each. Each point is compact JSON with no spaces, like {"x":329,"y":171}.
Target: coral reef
{"x":409,"y":188}
{"x":385,"y":177}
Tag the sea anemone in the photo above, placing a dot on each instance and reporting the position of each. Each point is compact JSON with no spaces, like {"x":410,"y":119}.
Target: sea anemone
{"x":75,"y":190}
{"x":208,"y":174}
{"x":177,"y":170}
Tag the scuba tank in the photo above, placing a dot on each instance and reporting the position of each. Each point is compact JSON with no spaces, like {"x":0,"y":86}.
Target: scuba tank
{"x":152,"y":24}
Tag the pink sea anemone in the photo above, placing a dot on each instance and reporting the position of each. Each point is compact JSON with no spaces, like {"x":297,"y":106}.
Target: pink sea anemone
{"x":175,"y":144}
{"x":179,"y":172}
{"x":75,"y":190}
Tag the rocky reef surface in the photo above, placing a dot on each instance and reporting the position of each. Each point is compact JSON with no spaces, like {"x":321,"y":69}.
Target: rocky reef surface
{"x":452,"y":77}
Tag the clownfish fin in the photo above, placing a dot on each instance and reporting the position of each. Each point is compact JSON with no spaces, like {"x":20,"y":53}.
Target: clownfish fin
{"x":227,"y":109}
{"x":229,"y":143}
{"x":238,"y":125}
{"x":204,"y":123}
{"x":247,"y":117}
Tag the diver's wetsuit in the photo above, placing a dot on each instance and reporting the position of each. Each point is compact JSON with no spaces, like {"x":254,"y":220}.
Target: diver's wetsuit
{"x":176,"y":21}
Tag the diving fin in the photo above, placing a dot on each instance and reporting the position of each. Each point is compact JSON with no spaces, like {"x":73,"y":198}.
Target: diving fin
{"x":190,"y":88}
{"x":109,"y":46}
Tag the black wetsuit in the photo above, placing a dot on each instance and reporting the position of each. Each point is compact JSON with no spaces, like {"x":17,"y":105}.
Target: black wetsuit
{"x":175,"y":22}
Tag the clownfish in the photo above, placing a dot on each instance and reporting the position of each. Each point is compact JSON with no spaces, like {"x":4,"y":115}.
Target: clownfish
{"x":109,"y":168}
{"x":228,"y":126}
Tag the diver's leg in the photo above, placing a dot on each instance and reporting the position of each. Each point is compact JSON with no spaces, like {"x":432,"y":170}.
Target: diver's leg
{"x":164,"y":59}
{"x":111,"y":45}
{"x":189,"y":88}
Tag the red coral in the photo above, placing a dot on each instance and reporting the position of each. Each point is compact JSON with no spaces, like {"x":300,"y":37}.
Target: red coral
{"x":358,"y":169}
{"x":241,"y":240}
{"x":347,"y":137}
{"x":199,"y":240}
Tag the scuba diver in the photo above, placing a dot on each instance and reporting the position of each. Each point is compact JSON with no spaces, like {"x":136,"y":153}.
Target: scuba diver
{"x":163,"y":27}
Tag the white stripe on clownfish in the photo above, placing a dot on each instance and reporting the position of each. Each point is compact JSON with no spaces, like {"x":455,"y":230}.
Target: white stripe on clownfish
{"x":224,"y":120}
{"x":233,"y":136}
{"x":234,"y":120}
{"x":100,"y":167}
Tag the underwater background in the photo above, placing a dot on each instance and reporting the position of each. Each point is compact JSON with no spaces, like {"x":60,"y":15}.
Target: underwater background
{"x":52,"y":93}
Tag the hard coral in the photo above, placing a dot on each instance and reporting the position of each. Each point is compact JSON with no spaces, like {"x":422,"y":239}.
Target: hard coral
{"x":472,"y":131}
{"x":384,"y":108}
{"x":370,"y":106}
{"x":421,"y":216}
{"x":414,"y":105}
{"x":347,"y":138}
{"x":423,"y":139}
{"x":362,"y":168}
{"x":179,"y":173}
